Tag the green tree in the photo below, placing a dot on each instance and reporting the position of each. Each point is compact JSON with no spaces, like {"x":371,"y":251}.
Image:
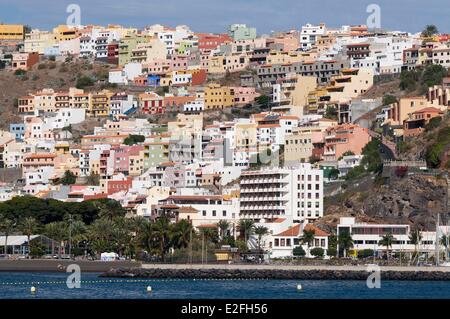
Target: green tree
{"x":84,"y":81}
{"x":298,"y":251}
{"x":332,"y":245}
{"x":28,"y":227}
{"x":331,"y":113}
{"x":429,"y":31}
{"x":181,"y":234}
{"x":261,"y":231}
{"x":134,"y":139}
{"x":345,"y":241}
{"x":57,"y":232}
{"x":68,"y":178}
{"x":163,"y":232}
{"x":389,"y":99}
{"x":108,"y":208}
{"x":387,"y":241}
{"x":415,"y":237}
{"x":246,"y":228}
{"x":317,"y":252}
{"x":263,"y":101}
{"x":7,"y":227}
{"x":223,"y":226}
{"x":308,"y":238}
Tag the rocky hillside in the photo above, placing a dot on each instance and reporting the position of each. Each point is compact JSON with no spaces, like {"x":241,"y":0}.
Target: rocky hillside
{"x":413,"y":200}
{"x":47,"y":74}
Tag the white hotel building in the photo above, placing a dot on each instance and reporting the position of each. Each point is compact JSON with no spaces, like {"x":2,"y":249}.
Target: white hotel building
{"x":292,"y":193}
{"x":368,"y":236}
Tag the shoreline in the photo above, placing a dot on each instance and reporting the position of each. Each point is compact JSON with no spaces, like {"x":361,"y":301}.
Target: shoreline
{"x":129,"y":269}
{"x":278,"y":272}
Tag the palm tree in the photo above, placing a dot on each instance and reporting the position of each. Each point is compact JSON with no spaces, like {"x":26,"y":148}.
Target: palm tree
{"x":163,"y":232}
{"x":181,"y":236}
{"x":208,"y":233}
{"x":415,"y":238}
{"x":387,"y":241}
{"x":100,"y":234}
{"x":7,"y":226}
{"x":261,"y":231}
{"x":28,"y":227}
{"x":55,"y":231}
{"x":308,"y":238}
{"x":223,"y":228}
{"x":345,"y":241}
{"x":246,"y":228}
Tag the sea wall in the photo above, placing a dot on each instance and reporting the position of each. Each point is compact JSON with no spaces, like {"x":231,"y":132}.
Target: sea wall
{"x":303,"y":274}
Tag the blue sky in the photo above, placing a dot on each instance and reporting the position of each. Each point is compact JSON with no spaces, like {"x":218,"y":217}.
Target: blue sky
{"x":216,"y":15}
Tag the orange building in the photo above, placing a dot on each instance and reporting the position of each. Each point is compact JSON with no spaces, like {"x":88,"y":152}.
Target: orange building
{"x":343,"y":138}
{"x":416,"y":123}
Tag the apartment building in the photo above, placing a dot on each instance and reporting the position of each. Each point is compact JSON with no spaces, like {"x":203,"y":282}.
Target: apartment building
{"x":299,"y":146}
{"x":343,"y":138}
{"x":296,"y":194}
{"x":241,"y":32}
{"x":309,"y":35}
{"x":268,"y":74}
{"x":218,"y":97}
{"x":12,"y":32}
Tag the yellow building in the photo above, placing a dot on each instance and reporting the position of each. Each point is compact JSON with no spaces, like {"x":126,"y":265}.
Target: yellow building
{"x":14,"y":32}
{"x":64,"y":33}
{"x":99,"y":106}
{"x":136,"y":164}
{"x":218,"y":97}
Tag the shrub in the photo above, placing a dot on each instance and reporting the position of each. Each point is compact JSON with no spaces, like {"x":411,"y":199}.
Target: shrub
{"x":389,"y":99}
{"x":331,"y":252}
{"x":299,"y":251}
{"x":20,"y":72}
{"x":84,"y":81}
{"x":433,"y":123}
{"x":317,"y":252}
{"x":42,"y":66}
{"x":365,"y":253}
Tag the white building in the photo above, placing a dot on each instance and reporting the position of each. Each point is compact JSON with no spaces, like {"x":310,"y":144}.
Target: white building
{"x":295,"y":194}
{"x":368,"y":236}
{"x":310,"y":33}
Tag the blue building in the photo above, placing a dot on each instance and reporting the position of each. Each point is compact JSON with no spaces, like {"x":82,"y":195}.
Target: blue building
{"x":154,"y":80}
{"x":18,"y":129}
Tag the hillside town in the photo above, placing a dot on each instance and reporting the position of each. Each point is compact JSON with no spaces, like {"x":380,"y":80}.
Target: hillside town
{"x":240,"y":137}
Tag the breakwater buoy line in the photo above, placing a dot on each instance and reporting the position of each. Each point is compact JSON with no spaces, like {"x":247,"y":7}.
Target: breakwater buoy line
{"x":63,"y":282}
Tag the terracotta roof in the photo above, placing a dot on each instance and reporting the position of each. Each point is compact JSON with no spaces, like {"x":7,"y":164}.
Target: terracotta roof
{"x":290,"y":232}
{"x":428,"y":109}
{"x":188,"y":209}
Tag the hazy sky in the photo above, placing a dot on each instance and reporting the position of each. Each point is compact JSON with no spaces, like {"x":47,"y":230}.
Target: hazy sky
{"x":216,"y":15}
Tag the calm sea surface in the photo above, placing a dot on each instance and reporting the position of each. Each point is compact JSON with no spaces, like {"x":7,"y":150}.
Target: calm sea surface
{"x":53,"y":286}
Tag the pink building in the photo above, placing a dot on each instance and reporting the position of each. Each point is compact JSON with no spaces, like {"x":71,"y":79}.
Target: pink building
{"x":179,"y":62}
{"x":122,"y":157}
{"x":244,"y":95}
{"x":343,"y":138}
